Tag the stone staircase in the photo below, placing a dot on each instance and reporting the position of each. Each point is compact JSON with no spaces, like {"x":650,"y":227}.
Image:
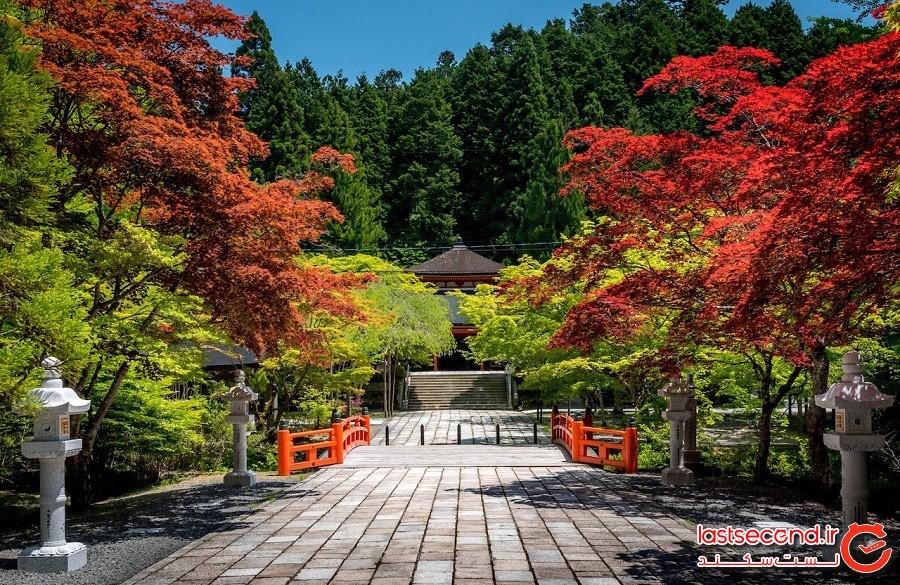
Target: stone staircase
{"x":463,"y":390}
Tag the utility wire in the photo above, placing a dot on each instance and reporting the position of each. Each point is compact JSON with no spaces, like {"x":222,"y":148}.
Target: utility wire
{"x":474,"y":247}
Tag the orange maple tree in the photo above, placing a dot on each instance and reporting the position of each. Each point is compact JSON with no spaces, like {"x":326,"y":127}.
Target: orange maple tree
{"x":150,"y":125}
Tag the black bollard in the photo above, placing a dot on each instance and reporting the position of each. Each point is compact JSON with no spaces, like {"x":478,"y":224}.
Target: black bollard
{"x":498,"y":433}
{"x":387,"y":435}
{"x":458,"y":434}
{"x":535,"y":433}
{"x":421,"y":434}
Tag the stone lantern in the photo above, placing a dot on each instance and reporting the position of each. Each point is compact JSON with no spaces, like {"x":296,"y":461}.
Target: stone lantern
{"x":853,"y":400}
{"x":240,"y":396}
{"x":678,"y":393}
{"x":51,"y":445}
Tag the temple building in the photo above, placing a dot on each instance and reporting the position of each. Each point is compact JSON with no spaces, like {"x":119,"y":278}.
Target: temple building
{"x":457,"y":269}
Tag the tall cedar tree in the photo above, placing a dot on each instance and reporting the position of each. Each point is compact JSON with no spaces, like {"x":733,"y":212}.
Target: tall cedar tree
{"x":427,"y":151}
{"x":145,"y":118}
{"x":271,"y":110}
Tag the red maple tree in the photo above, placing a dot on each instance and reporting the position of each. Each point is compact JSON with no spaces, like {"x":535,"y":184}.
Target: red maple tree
{"x":773,"y":232}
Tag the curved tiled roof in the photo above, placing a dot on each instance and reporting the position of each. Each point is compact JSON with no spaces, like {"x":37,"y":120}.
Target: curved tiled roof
{"x":458,"y":260}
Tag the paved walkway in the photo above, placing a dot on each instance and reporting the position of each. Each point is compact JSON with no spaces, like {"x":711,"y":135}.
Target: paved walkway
{"x":461,"y":515}
{"x":434,"y":525}
{"x":476,"y":426}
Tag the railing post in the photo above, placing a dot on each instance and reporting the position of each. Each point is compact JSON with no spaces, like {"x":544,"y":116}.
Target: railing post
{"x":577,"y":431}
{"x":337,"y":435}
{"x":284,"y":452}
{"x":630,"y":449}
{"x":367,"y":421}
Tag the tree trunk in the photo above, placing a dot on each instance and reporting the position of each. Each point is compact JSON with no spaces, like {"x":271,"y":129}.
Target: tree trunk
{"x":390,"y":384}
{"x":82,"y":495}
{"x":815,"y":424}
{"x":617,"y":403}
{"x":764,"y":426}
{"x":601,"y":407}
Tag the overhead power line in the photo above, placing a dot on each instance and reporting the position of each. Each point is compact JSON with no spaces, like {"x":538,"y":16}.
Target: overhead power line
{"x":512,"y":247}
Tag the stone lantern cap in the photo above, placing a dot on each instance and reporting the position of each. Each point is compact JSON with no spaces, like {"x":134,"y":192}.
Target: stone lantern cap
{"x":52,"y":396}
{"x":853,"y":392}
{"x":677,"y":386}
{"x":240,"y":391}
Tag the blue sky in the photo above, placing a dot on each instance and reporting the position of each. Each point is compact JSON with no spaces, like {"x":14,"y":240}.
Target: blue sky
{"x":359,"y":36}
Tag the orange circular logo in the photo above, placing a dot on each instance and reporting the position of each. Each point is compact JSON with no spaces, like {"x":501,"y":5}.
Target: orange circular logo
{"x":855,"y":530}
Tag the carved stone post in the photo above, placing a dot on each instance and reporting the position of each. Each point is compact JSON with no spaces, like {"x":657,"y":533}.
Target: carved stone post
{"x":51,"y":445}
{"x":240,"y":396}
{"x":853,"y":400}
{"x":678,"y":392}
{"x":691,"y":453}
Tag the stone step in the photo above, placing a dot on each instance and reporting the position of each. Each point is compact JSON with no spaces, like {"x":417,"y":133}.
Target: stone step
{"x":441,"y":391}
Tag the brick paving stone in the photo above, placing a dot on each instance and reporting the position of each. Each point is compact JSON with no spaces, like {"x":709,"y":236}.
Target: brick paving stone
{"x":281,"y":570}
{"x":316,"y":574}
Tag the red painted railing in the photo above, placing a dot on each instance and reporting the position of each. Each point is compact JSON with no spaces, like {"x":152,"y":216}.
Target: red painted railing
{"x":333,"y":444}
{"x":579,"y":441}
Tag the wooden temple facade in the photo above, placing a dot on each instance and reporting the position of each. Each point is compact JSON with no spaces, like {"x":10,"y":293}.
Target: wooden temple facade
{"x":457,"y":269}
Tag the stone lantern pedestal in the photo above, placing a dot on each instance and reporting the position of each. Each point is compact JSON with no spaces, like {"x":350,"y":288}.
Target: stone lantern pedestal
{"x":853,"y":400}
{"x":51,"y":445}
{"x":678,"y":393}
{"x":240,"y":395}
{"x":691,"y":455}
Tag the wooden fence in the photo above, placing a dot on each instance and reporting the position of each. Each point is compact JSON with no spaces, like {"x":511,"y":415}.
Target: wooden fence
{"x":594,"y":445}
{"x":328,"y":446}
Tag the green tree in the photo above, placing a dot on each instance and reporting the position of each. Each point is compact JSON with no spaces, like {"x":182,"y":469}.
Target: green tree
{"x":424,"y":197}
{"x":476,"y":117}
{"x":371,"y":121}
{"x":749,"y":27}
{"x":827,"y":34}
{"x":359,"y":204}
{"x":40,"y":312}
{"x":706,"y":24}
{"x":786,"y":39}
{"x":407,"y":321}
{"x":272,"y":110}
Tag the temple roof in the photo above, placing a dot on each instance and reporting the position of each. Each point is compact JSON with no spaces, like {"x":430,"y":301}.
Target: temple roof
{"x":458,"y":260}
{"x":219,"y":355}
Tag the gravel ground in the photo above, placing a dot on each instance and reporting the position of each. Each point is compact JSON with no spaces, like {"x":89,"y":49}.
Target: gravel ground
{"x":126,"y":535}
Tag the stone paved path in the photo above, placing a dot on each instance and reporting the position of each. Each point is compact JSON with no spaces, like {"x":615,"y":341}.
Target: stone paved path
{"x":433,"y":525}
{"x":477,"y":426}
{"x":413,"y":514}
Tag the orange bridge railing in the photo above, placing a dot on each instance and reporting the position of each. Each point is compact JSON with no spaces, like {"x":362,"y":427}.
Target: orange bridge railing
{"x":329,"y":445}
{"x":588,"y":444}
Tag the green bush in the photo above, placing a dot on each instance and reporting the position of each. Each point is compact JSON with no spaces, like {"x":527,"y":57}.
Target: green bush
{"x":653,"y":445}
